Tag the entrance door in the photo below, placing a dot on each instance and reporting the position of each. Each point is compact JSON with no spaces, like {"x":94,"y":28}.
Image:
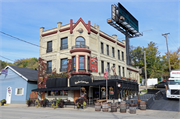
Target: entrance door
{"x":8,"y":95}
{"x":76,"y":95}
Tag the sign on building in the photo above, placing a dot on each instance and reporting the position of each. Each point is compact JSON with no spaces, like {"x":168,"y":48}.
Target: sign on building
{"x":94,"y":64}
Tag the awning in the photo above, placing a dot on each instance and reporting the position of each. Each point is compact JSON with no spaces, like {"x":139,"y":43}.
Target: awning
{"x":56,"y":89}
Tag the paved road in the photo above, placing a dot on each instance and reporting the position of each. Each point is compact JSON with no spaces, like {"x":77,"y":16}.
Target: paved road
{"x":166,"y":104}
{"x":10,"y":112}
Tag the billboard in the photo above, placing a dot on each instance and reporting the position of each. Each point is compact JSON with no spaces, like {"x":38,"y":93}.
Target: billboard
{"x":94,"y":64}
{"x":119,"y":12}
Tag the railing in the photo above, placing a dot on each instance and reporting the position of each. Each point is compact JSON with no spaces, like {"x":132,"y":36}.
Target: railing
{"x":80,"y":46}
{"x":63,"y":47}
{"x":62,"y":69}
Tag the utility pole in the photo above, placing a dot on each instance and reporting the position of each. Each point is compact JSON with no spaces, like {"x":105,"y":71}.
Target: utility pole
{"x":145,"y":68}
{"x":165,"y":35}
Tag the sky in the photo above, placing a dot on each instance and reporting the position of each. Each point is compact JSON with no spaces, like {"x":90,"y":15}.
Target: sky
{"x":23,"y":19}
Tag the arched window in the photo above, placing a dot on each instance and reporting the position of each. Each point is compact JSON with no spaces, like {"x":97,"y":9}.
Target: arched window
{"x":80,"y":42}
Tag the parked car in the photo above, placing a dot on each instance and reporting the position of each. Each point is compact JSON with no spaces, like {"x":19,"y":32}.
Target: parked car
{"x":161,"y":84}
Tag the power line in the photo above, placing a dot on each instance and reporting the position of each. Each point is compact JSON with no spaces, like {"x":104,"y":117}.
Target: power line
{"x":21,"y":39}
{"x":6,"y":58}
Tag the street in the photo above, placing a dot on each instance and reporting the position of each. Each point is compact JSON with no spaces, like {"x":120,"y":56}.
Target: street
{"x":23,"y":112}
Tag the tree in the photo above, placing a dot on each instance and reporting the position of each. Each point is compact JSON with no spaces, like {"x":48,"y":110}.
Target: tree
{"x":3,"y":64}
{"x":174,"y":60}
{"x":153,"y":59}
{"x":31,"y":63}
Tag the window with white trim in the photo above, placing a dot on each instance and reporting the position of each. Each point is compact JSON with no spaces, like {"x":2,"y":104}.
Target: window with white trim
{"x":19,"y":91}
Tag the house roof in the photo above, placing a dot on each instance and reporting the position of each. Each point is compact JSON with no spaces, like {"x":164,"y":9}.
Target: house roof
{"x":27,"y":74}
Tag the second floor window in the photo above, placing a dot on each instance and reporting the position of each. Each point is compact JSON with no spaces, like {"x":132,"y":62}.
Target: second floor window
{"x":81,"y":62}
{"x":73,"y":63}
{"x":107,"y":47}
{"x":118,"y":54}
{"x":113,"y":52}
{"x":102,"y":51}
{"x":64,"y":43}
{"x":108,"y":67}
{"x":63,"y":65}
{"x":49,"y":46}
{"x":102,"y":66}
{"x":123,"y":71}
{"x":119,"y":67}
{"x":122,"y":56}
{"x":49,"y":67}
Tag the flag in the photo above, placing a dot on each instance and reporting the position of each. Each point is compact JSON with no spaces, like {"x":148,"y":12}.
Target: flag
{"x":105,"y":74}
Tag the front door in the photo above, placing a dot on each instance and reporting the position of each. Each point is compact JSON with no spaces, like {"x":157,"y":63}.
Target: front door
{"x":76,"y":95}
{"x":8,"y":95}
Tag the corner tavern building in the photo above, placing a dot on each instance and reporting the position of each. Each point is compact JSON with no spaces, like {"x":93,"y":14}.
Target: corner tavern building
{"x":91,"y":52}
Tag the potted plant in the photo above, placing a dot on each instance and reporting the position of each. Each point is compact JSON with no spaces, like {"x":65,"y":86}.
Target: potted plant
{"x":3,"y":102}
{"x":81,"y":102}
{"x":37,"y":104}
{"x":111,"y":92}
{"x":28,"y":102}
{"x":103,"y":89}
{"x":45,"y":101}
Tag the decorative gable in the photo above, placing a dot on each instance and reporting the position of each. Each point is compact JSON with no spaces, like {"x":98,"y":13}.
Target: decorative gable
{"x":87,"y":26}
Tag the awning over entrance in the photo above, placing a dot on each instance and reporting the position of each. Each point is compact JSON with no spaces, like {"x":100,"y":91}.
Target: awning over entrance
{"x":80,"y":80}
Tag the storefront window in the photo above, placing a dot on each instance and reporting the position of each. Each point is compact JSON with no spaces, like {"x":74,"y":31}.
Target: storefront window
{"x":81,"y":62}
{"x":58,"y":93}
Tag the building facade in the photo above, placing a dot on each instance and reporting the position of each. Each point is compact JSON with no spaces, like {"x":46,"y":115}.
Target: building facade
{"x":16,"y":85}
{"x":88,"y":49}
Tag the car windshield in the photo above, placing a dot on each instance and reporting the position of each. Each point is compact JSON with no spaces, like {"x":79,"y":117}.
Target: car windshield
{"x":174,"y":82}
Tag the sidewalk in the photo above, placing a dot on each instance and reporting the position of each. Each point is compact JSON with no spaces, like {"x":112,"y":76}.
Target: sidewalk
{"x":152,"y":113}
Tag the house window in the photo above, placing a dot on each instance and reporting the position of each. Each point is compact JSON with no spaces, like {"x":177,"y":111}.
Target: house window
{"x":102,"y":66}
{"x":64,"y":64}
{"x":113,"y":52}
{"x":73,"y":63}
{"x":49,"y":66}
{"x":107,"y":47}
{"x":19,"y":91}
{"x":118,"y":55}
{"x":123,"y":71}
{"x":64,"y":43}
{"x":80,"y":42}
{"x":122,"y":56}
{"x":102,"y":51}
{"x":49,"y":46}
{"x":108,"y":67}
{"x":119,"y":67}
{"x":81,"y":62}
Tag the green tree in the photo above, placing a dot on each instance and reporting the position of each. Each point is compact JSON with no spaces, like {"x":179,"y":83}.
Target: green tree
{"x":3,"y":64}
{"x":153,"y":60}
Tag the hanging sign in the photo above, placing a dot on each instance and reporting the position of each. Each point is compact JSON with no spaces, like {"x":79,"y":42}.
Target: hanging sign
{"x":94,"y":64}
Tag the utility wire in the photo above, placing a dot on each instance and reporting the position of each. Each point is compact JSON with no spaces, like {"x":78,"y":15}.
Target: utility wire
{"x":6,"y":58}
{"x":21,"y":39}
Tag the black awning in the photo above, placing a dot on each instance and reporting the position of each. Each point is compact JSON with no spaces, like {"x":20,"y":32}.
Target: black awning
{"x":56,"y":89}
{"x":80,"y":80}
{"x":56,"y":82}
